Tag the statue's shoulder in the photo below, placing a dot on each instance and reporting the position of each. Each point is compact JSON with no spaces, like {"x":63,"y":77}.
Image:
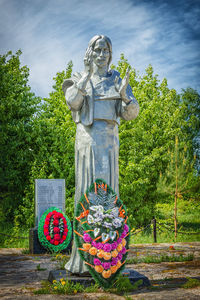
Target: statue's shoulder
{"x":70,"y":81}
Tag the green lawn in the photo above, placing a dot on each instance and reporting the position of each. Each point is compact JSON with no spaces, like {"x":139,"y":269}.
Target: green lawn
{"x":188,"y":224}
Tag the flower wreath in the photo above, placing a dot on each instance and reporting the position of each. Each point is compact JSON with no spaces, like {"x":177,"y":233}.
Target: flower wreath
{"x":102,"y":232}
{"x":54,"y":230}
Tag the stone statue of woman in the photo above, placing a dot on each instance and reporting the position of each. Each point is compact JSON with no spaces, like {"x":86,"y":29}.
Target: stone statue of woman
{"x":98,"y":98}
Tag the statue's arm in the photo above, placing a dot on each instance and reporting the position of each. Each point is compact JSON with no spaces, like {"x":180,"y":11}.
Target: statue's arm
{"x":129,"y":107}
{"x":74,"y":91}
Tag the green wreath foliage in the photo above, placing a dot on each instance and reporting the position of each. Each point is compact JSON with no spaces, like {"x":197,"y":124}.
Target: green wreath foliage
{"x":42,"y":237}
{"x":81,"y":226}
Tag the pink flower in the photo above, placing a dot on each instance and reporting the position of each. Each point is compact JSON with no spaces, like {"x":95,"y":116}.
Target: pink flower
{"x":123,"y":234}
{"x":107,"y":247}
{"x":65,"y":226}
{"x":46,"y":226}
{"x":52,"y":241}
{"x":87,"y":238}
{"x":119,"y":241}
{"x":46,"y":232}
{"x":106,"y":265}
{"x":114,"y":261}
{"x":94,"y":244}
{"x":56,"y":229}
{"x":126,"y":228}
{"x":97,"y":262}
{"x":99,"y":246}
{"x":56,"y":243}
{"x":49,"y":215}
{"x":123,"y":251}
{"x":114,"y":245}
{"x":119,"y":256}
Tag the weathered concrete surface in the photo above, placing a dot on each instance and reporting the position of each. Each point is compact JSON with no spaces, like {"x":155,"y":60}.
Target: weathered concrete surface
{"x":19,"y":276}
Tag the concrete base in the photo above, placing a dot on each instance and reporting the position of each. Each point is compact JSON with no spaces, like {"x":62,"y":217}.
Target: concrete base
{"x":134,"y":276}
{"x":36,"y":248}
{"x":34,"y":244}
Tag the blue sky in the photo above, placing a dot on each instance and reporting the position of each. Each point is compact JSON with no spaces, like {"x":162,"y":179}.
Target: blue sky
{"x":50,"y":33}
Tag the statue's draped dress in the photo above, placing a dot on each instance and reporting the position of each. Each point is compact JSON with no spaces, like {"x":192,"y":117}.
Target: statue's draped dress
{"x":97,"y":143}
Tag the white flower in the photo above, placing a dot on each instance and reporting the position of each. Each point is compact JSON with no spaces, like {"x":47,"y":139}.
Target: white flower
{"x":90,"y":219}
{"x":117,"y":222}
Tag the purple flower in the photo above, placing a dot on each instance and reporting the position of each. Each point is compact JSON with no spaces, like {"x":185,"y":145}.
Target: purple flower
{"x":106,"y":265}
{"x":87,"y":238}
{"x":114,"y":261}
{"x":114,"y":245}
{"x":97,"y":262}
{"x":123,"y":234}
{"x":119,"y":256}
{"x":94,"y":244}
{"x":99,"y":246}
{"x":126,"y":228}
{"x":107,"y":247}
{"x":123,"y":251}
{"x":119,"y":241}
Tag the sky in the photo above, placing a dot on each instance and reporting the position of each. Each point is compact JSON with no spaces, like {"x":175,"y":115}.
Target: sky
{"x":50,"y":33}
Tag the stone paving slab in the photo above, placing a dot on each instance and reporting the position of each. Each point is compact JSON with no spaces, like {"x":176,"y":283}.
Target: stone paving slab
{"x":19,"y":274}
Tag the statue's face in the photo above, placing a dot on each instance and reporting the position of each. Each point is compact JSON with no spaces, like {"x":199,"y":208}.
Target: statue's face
{"x":101,"y":53}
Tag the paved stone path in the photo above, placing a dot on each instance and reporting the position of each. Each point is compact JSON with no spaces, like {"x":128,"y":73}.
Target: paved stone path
{"x":20,"y":275}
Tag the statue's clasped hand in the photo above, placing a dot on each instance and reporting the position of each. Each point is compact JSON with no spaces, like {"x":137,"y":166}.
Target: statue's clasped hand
{"x":122,"y":86}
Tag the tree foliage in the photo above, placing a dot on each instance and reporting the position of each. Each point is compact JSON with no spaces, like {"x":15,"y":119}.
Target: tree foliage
{"x":144,"y":142}
{"x":17,"y":111}
{"x":53,"y":149}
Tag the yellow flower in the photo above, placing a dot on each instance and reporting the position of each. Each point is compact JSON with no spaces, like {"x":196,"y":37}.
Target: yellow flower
{"x":54,"y":281}
{"x":55,"y":287}
{"x":75,"y":291}
{"x":63,"y":282}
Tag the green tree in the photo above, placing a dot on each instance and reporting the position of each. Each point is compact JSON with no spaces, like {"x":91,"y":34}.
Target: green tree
{"x":53,"y":150}
{"x":17,"y":112}
{"x":179,"y":178}
{"x":144,"y":142}
{"x":190,"y":98}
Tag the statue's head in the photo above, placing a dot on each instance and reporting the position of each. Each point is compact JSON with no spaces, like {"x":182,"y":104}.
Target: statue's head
{"x":100,"y":48}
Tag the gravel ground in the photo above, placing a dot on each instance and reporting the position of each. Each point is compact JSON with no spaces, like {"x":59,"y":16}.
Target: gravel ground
{"x":19,"y":275}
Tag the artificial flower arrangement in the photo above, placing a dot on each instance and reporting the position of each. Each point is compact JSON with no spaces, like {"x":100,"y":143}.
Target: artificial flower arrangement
{"x":54,"y":230}
{"x":102,"y":232}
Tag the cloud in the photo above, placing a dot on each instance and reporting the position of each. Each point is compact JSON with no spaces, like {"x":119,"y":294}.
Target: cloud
{"x":50,"y":33}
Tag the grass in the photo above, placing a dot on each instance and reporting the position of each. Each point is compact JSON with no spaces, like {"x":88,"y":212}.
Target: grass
{"x":11,"y":237}
{"x":188,"y":213}
{"x":121,"y":286}
{"x":162,"y":258}
{"x":191,"y":283}
{"x":38,"y":268}
{"x":61,"y":259}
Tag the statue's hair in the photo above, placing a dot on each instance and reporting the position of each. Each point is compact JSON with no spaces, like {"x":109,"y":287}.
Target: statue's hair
{"x":92,"y":43}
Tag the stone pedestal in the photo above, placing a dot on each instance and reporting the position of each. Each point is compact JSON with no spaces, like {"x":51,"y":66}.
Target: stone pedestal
{"x":134,"y":276}
{"x":34,"y":245}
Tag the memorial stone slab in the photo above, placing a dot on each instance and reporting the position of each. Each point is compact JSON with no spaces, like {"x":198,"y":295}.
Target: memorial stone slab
{"x":48,"y":193}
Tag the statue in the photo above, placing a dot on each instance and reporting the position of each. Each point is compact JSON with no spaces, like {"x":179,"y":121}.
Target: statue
{"x":98,"y":98}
